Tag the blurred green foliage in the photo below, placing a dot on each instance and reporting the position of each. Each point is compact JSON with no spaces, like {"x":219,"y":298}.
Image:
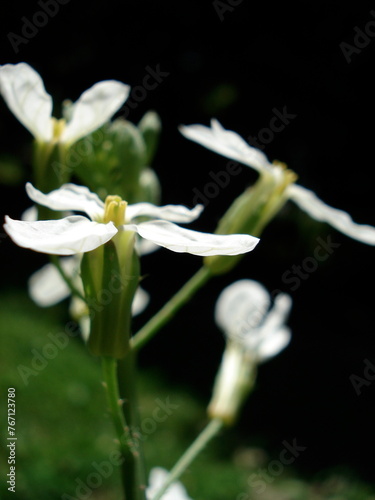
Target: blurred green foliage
{"x":11,"y":170}
{"x":63,"y":429}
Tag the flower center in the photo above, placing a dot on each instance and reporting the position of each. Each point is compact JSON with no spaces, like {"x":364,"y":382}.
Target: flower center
{"x":114,"y":210}
{"x":58,"y":127}
{"x":284,"y":174}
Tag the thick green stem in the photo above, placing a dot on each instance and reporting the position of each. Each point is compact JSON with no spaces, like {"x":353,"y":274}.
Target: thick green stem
{"x":126,"y":371}
{"x":170,"y":308}
{"x":209,"y":432}
{"x":41,"y":157}
{"x":128,"y":449}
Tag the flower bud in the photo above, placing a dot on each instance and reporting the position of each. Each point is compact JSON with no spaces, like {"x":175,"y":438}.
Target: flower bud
{"x":114,"y":158}
{"x":150,"y":128}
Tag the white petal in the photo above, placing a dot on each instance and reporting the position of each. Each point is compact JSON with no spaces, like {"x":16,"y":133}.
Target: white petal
{"x":145,"y":247}
{"x":94,"y":108}
{"x":85,"y":325}
{"x":177,"y":239}
{"x":279,"y":312}
{"x":158,"y":476}
{"x":241,"y":307}
{"x":79,"y":311}
{"x":140,"y":301}
{"x":47,"y":287}
{"x":340,"y":220}
{"x":23,"y":91}
{"x":272,"y":336}
{"x":273,"y":344}
{"x":173,"y":213}
{"x":30,"y":214}
{"x":69,"y":197}
{"x":67,"y":236}
{"x":226,"y":143}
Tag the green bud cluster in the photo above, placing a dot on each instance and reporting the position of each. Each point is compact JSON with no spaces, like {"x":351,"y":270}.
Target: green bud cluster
{"x":117,"y":158}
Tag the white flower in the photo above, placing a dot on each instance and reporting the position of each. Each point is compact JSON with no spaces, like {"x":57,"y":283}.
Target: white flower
{"x":47,"y":287}
{"x":158,"y":476}
{"x":79,"y":234}
{"x":231,"y":145}
{"x":254,"y":333}
{"x":23,"y":91}
{"x":243,"y":313}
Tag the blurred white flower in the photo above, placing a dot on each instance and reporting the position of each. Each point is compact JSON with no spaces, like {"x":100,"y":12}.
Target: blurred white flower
{"x":228,"y":143}
{"x":254,"y":333}
{"x":243,"y":313}
{"x":158,"y":476}
{"x":47,"y":287}
{"x":23,"y":91}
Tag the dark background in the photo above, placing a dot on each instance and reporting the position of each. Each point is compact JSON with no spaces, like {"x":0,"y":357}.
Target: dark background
{"x":238,"y":68}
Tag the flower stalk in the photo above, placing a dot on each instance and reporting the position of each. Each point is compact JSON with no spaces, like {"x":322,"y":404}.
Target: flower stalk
{"x":133,"y":489}
{"x":127,"y":383}
{"x":66,"y":278}
{"x":209,"y":432}
{"x":170,"y":308}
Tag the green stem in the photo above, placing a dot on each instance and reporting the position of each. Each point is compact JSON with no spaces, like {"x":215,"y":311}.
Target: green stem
{"x":128,"y":451}
{"x":210,"y":431}
{"x":41,"y":155}
{"x":170,"y":308}
{"x":128,"y":392}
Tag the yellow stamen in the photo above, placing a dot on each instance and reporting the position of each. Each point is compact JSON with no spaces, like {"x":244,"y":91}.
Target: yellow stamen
{"x":58,"y":127}
{"x":288,"y":175}
{"x":114,"y":210}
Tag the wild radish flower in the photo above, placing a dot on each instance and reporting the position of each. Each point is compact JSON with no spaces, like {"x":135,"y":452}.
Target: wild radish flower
{"x":106,"y":237}
{"x":158,"y":476}
{"x":23,"y":90}
{"x":278,"y":184}
{"x":104,"y":221}
{"x":254,"y":333}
